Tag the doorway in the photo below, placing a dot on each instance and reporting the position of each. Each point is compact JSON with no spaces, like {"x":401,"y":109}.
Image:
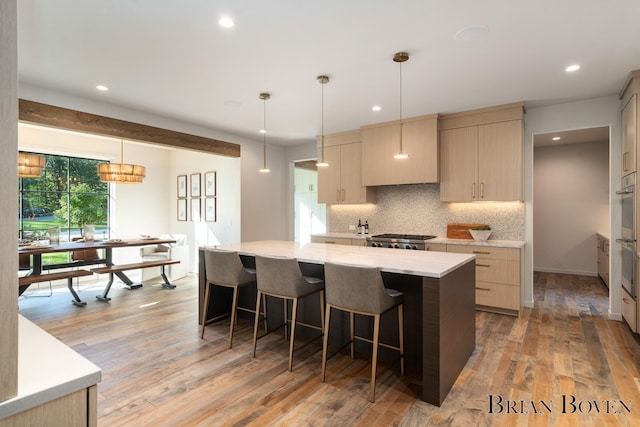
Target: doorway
{"x":310,"y":216}
{"x":571,"y":201}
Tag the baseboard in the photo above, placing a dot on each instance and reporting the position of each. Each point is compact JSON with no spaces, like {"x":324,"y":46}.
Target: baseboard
{"x":565,"y":271}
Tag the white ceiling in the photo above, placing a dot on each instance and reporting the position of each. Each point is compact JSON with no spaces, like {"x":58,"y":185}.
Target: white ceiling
{"x":171,"y":58}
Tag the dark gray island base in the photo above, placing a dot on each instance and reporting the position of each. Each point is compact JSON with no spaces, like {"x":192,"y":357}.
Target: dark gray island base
{"x":439,"y":314}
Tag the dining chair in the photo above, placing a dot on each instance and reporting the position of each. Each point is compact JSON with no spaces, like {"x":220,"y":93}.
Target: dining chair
{"x":360,"y":290}
{"x":282,"y":278}
{"x":225,"y":269}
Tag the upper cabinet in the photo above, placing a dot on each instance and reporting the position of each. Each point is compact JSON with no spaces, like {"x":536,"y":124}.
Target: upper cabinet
{"x":380,"y":142}
{"x":630,"y":134}
{"x":481,"y":155}
{"x":341,"y":181}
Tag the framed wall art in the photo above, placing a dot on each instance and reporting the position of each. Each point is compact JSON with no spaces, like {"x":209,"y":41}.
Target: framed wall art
{"x":195,"y":185}
{"x":210,"y":210}
{"x":210,"y":184}
{"x":195,"y":210}
{"x":182,"y":186}
{"x":182,"y":208}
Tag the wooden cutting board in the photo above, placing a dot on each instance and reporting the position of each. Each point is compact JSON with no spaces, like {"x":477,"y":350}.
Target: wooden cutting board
{"x":458,"y":230}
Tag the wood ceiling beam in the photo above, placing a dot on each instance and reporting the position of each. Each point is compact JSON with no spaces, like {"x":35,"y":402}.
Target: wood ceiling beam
{"x":64,"y":118}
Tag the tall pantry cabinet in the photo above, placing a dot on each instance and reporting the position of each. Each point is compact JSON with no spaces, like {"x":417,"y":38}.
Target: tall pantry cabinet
{"x":630,"y":137}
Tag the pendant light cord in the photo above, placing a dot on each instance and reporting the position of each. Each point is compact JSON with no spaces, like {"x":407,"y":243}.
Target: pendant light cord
{"x":401,"y":152}
{"x":264,"y":135}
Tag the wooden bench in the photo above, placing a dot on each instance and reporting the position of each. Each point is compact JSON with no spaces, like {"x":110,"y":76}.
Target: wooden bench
{"x":25,"y":281}
{"x":115,"y":269}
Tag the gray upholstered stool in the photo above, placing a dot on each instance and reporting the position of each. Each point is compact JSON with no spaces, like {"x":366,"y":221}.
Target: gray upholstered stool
{"x":360,"y":290}
{"x":224,"y":268}
{"x":282,"y":278}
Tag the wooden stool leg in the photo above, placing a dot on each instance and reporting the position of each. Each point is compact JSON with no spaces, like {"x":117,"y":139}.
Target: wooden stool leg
{"x":294,"y":316}
{"x":234,"y":309}
{"x":325,"y":342}
{"x":255,"y":323}
{"x":205,"y":309}
{"x":285,"y":309}
{"x":322,"y":311}
{"x":401,"y":335}
{"x":374,"y":362}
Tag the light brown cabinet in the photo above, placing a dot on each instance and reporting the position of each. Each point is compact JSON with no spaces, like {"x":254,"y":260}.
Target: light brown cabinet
{"x":498,"y":277}
{"x":629,"y":310}
{"x":341,"y":181}
{"x":603,"y":259}
{"x":481,"y":154}
{"x":380,"y":142}
{"x":630,"y":121}
{"x":482,"y":163}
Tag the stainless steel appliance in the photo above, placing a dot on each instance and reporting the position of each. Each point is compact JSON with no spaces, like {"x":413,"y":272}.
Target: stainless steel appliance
{"x":399,"y":241}
{"x":627,"y":240}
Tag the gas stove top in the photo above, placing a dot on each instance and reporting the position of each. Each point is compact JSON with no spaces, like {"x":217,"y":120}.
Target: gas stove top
{"x":399,"y":241}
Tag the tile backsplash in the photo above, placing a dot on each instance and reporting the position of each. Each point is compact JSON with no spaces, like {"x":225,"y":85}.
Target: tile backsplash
{"x":417,"y":209}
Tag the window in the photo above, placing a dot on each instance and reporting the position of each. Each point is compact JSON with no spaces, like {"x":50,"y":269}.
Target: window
{"x":68,"y":194}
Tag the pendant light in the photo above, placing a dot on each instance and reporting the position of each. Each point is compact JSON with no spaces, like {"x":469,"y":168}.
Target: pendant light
{"x":121,"y":173}
{"x":264,"y":96}
{"x":30,"y":165}
{"x":401,"y":57}
{"x":322,"y":80}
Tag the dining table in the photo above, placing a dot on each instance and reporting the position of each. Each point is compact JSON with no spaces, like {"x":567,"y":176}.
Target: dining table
{"x":35,"y":250}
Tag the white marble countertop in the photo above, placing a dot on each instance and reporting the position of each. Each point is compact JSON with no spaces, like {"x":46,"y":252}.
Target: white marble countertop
{"x":603,"y":235}
{"x":47,"y":370}
{"x":415,"y":263}
{"x":441,"y":240}
{"x":491,"y":243}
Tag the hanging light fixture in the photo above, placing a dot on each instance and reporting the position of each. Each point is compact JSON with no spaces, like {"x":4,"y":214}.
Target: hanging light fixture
{"x":121,"y":173}
{"x":401,"y":57}
{"x":30,"y":165}
{"x":322,"y":163}
{"x":264,"y":96}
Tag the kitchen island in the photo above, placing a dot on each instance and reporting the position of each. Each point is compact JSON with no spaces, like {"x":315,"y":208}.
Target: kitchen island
{"x":439,"y":291}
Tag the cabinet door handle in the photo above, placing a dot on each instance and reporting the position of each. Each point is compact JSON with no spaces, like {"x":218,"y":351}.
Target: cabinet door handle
{"x":482,"y":253}
{"x":344,"y":194}
{"x":482,"y":289}
{"x":473,"y":190}
{"x":483,"y":265}
{"x":482,"y":190}
{"x":626,"y":301}
{"x":338,"y":195}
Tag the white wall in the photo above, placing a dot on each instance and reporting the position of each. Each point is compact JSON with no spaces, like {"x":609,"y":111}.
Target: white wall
{"x":571,"y":195}
{"x":603,"y":111}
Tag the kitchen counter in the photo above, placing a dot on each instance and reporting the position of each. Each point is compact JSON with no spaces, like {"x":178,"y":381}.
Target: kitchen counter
{"x":415,"y":263}
{"x":491,"y":243}
{"x":439,"y":302}
{"x":47,"y":370}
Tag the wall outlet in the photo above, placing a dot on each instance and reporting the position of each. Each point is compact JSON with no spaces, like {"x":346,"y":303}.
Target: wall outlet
{"x":352,"y":227}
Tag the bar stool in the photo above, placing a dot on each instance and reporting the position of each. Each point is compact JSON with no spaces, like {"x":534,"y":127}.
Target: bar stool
{"x":282,"y":278}
{"x":360,"y":290}
{"x":224,"y":268}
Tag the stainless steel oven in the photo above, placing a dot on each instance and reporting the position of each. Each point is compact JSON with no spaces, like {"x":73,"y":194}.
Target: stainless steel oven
{"x":627,"y":240}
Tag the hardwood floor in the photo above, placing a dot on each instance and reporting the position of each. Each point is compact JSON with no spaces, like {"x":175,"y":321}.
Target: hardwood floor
{"x":561,"y":363}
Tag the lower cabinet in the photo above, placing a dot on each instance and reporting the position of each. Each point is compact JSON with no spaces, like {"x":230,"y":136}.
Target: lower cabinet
{"x":603,"y":259}
{"x":339,"y":241}
{"x":498,"y":277}
{"x":630,"y":310}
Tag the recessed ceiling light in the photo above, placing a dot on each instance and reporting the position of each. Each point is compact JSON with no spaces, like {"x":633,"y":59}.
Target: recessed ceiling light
{"x":556,"y":138}
{"x":102,"y":87}
{"x":262,"y":131}
{"x":574,"y":67}
{"x":226,"y":22}
{"x":471,"y":33}
{"x":376,"y":108}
